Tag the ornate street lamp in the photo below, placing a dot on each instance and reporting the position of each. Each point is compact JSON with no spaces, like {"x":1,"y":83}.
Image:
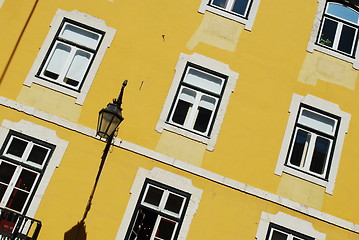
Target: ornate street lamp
{"x":108,"y":121}
{"x":109,"y":118}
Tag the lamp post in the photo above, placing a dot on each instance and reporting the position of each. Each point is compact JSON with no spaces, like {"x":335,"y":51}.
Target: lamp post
{"x":108,"y":120}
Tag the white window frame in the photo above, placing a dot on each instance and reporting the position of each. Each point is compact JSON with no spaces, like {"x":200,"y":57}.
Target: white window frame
{"x":21,"y":164}
{"x":36,"y":72}
{"x":181,"y":67}
{"x":30,"y":145}
{"x":288,"y":222}
{"x":45,"y":135}
{"x":169,"y":179}
{"x":160,"y":210}
{"x":161,"y":206}
{"x":316,"y":30}
{"x":325,"y":106}
{"x":247,"y":20}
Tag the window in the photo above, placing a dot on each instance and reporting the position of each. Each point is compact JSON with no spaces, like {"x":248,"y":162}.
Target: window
{"x":237,"y":7}
{"x":335,"y":30}
{"x":312,"y":143}
{"x":242,"y":11}
{"x":313,"y":140}
{"x":22,"y":164}
{"x":159,"y":212}
{"x":71,"y":54}
{"x":339,"y":28}
{"x":29,"y":155}
{"x":161,"y":207}
{"x":198,"y":98}
{"x":276,"y":232}
{"x":285,"y":227}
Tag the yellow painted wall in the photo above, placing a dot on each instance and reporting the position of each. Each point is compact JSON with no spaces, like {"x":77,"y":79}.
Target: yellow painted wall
{"x":223,"y":211}
{"x":13,"y":19}
{"x":271,"y":61}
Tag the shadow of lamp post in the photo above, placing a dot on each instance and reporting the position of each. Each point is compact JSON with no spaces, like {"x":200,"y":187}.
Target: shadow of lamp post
{"x":108,"y":121}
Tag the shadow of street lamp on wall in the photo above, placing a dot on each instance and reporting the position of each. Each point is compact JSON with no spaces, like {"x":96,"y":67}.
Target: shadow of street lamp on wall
{"x":108,"y":121}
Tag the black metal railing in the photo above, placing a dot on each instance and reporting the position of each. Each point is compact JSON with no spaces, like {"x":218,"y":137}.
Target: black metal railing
{"x":15,"y":226}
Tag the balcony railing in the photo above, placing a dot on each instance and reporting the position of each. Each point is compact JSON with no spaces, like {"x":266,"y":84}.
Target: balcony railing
{"x":14,"y":226}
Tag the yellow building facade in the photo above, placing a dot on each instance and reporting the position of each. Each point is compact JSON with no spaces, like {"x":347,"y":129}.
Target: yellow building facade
{"x":240,"y":119}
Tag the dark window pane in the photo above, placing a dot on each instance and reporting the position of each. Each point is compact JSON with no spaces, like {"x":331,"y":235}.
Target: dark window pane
{"x":154,"y":196}
{"x":137,"y":227}
{"x":174,"y":203}
{"x":220,"y":3}
{"x":17,"y":147}
{"x":278,"y":235}
{"x":51,"y":75}
{"x":240,"y":6}
{"x":37,"y":154}
{"x":165,"y":229}
{"x":347,"y":39}
{"x":3,"y":188}
{"x":71,"y":82}
{"x":320,"y":155}
{"x":145,"y":230}
{"x":299,"y":147}
{"x":6,"y":172}
{"x":180,"y":113}
{"x":17,"y":200}
{"x":26,"y":180}
{"x":328,"y":32}
{"x":203,"y":117}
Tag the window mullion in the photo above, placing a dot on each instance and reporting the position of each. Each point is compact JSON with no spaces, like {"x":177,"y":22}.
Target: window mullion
{"x":158,"y":220}
{"x":189,"y":123}
{"x":230,"y":4}
{"x":11,"y":186}
{"x":27,"y":151}
{"x":66,"y":67}
{"x":311,"y":147}
{"x":337,"y":35}
{"x":163,"y":200}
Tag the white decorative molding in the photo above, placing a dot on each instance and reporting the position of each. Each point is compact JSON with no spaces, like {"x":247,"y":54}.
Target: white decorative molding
{"x":55,"y":24}
{"x":313,"y":38}
{"x":328,"y":107}
{"x":215,"y":66}
{"x":289,"y":222}
{"x":200,"y":172}
{"x":170,"y":179}
{"x":248,"y":22}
